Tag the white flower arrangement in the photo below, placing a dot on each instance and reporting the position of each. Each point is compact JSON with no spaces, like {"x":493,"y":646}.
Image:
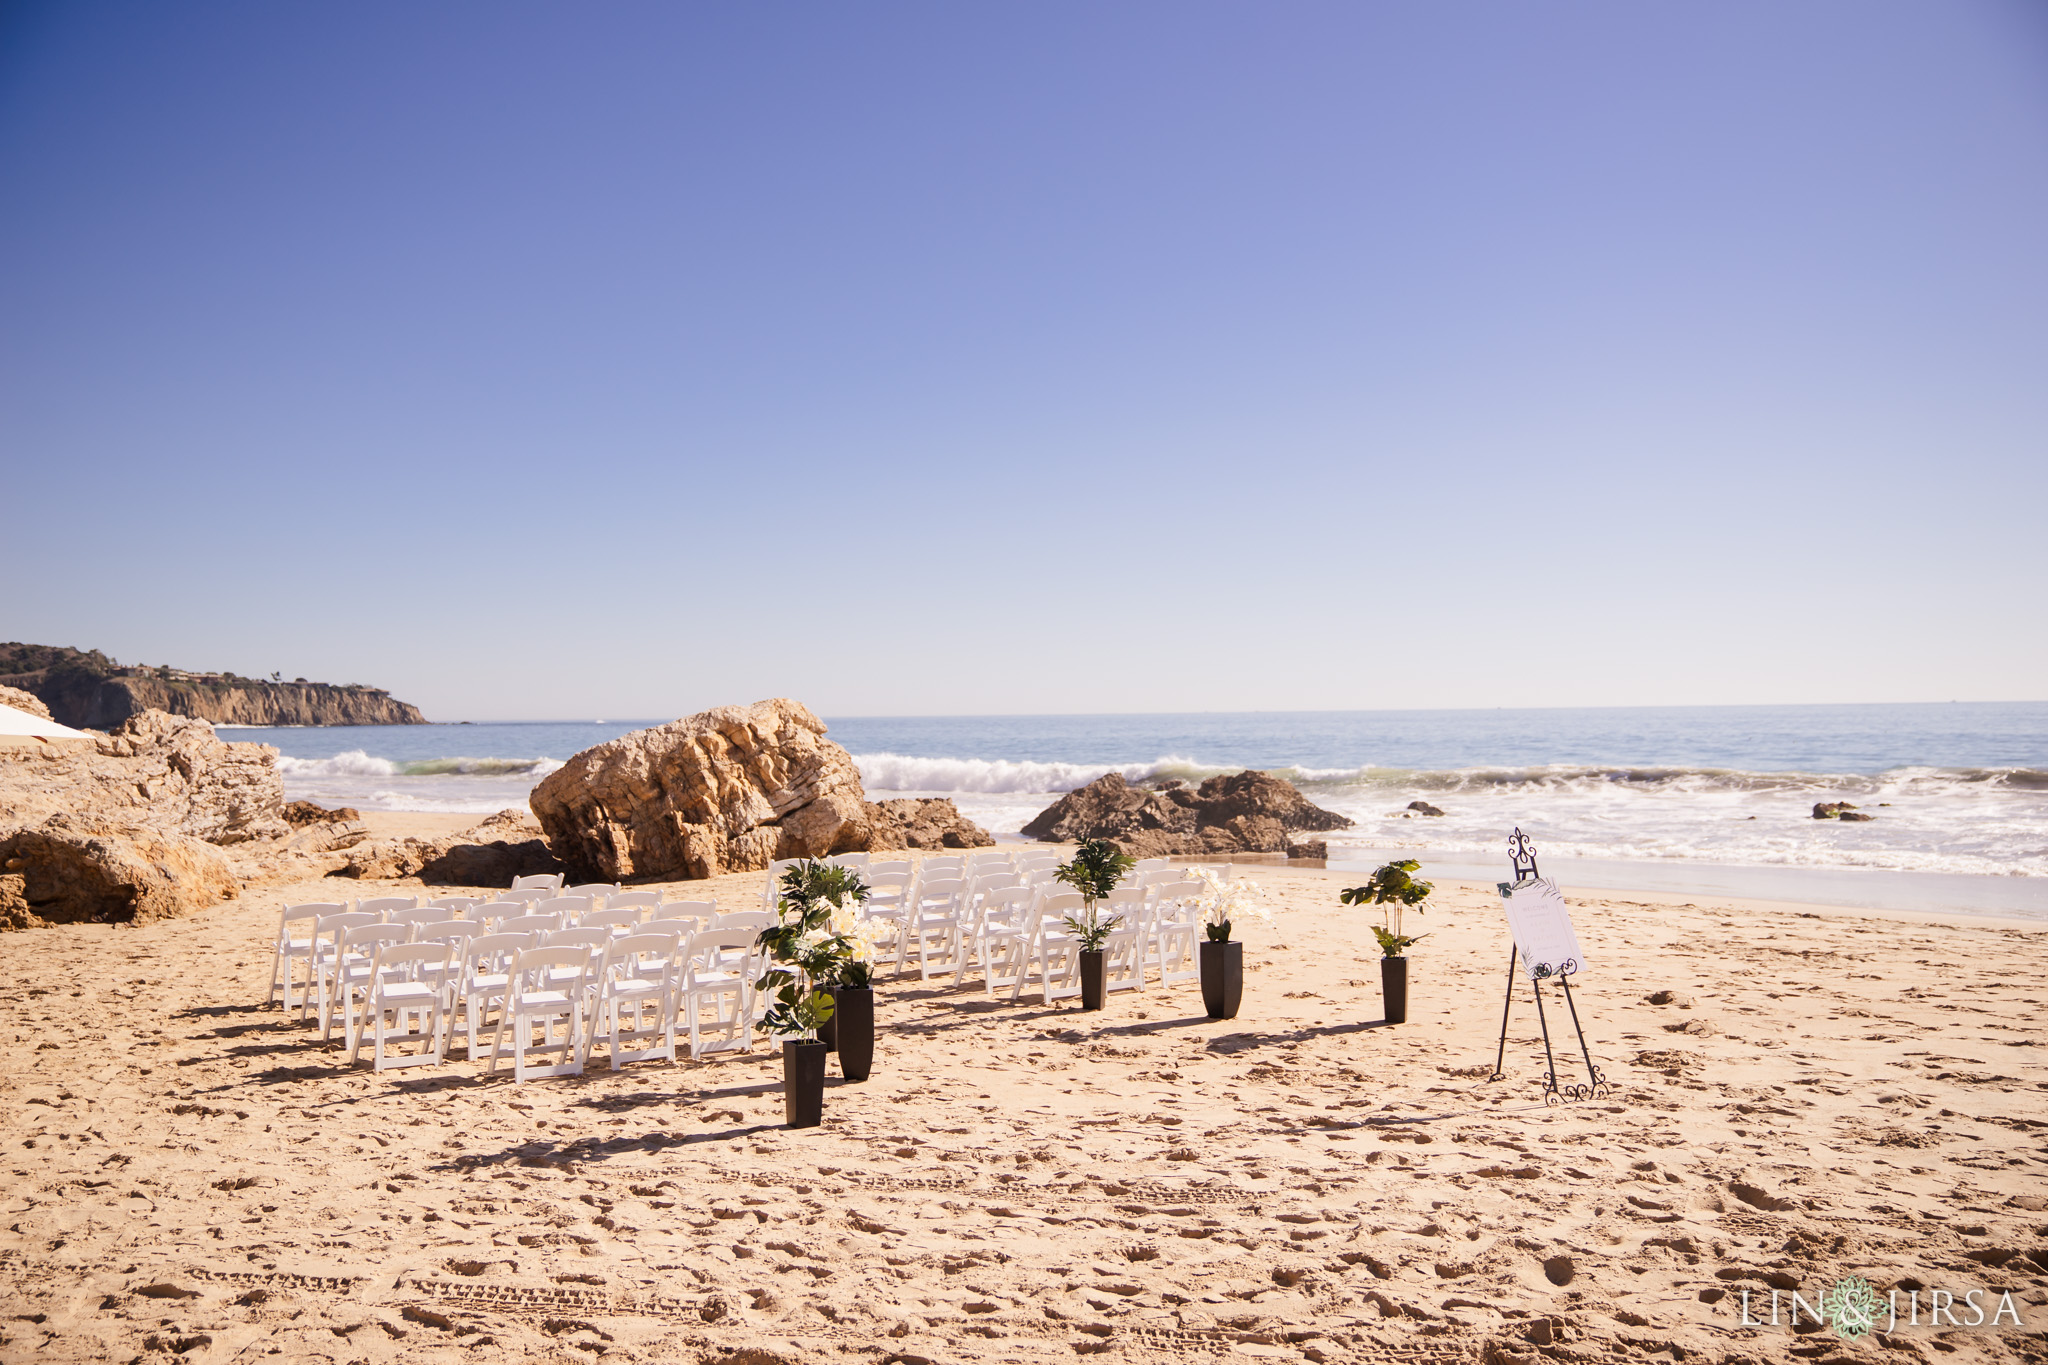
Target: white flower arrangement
{"x":1224,"y":902}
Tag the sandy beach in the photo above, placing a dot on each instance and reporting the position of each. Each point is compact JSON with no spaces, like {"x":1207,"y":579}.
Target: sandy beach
{"x":1827,"y":1093}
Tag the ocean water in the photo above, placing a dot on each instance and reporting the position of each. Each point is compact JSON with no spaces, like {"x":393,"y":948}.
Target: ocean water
{"x":1958,"y":790}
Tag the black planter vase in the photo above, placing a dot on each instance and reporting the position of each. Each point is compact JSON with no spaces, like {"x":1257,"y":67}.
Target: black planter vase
{"x":852,"y":1028}
{"x":1394,"y":988}
{"x":1222,"y":977}
{"x":803,"y":1083}
{"x":1094,"y":978}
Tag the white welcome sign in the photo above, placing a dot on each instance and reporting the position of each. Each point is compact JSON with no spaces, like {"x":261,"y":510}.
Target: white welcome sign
{"x":1542,"y":926}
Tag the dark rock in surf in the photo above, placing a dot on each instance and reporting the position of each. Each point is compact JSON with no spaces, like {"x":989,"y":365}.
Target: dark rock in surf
{"x":1248,"y":812}
{"x":1838,"y":810}
{"x":1423,"y":808}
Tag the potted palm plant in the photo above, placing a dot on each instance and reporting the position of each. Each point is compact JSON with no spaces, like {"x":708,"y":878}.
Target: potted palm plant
{"x":1098,"y":865}
{"x":1393,"y":888}
{"x":815,"y":933}
{"x":1224,"y":903}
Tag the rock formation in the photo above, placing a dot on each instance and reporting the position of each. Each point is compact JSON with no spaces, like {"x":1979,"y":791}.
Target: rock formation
{"x":489,"y":854}
{"x":158,"y":770}
{"x":24,"y":701}
{"x":724,"y":791}
{"x":1839,"y":810}
{"x":74,"y":869}
{"x":1248,"y":812}
{"x":922,"y":822}
{"x":87,"y":690}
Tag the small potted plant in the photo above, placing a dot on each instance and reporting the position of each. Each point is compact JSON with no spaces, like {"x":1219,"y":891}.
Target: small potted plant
{"x":1393,"y":888}
{"x":1224,"y":903}
{"x":816,"y":916}
{"x":1097,"y":867}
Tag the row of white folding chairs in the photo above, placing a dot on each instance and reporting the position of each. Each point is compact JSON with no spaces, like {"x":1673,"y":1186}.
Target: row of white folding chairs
{"x":952,"y":930}
{"x":310,"y":932}
{"x":557,"y":992}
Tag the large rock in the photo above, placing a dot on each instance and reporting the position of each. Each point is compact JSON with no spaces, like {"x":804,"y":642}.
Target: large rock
{"x":74,"y":869}
{"x":165,"y":772}
{"x":724,"y":791}
{"x":489,"y":854}
{"x":1247,"y":812}
{"x":24,"y":701}
{"x":922,"y":822}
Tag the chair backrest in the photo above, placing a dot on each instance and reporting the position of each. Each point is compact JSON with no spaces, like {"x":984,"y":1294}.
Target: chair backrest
{"x":529,"y":895}
{"x":531,"y":924}
{"x":1150,"y":864}
{"x":680,"y":909}
{"x":1006,"y":905}
{"x":892,"y":879}
{"x":889,"y":865}
{"x":384,"y":905}
{"x":404,"y":961}
{"x":719,"y":950}
{"x":683,"y":929}
{"x":932,"y":867}
{"x":592,"y":941}
{"x":1182,"y":889}
{"x":985,"y":882}
{"x":367,"y":938}
{"x":755,"y":920}
{"x":487,"y":954}
{"x":639,"y":955}
{"x":332,"y":927}
{"x":597,"y":891}
{"x":1125,"y":899}
{"x":462,"y":903}
{"x":312,"y":910}
{"x":645,"y":900}
{"x":849,"y":860}
{"x":447,"y":931}
{"x":418,"y":915}
{"x":1059,"y":904}
{"x":610,"y":919}
{"x":541,"y":969}
{"x":570,"y":908}
{"x":936,"y":895}
{"x":541,"y":881}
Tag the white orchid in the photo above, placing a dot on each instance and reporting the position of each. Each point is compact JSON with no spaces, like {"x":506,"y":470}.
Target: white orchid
{"x":1225,"y":902}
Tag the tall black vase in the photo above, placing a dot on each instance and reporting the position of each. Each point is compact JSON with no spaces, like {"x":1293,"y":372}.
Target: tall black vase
{"x":1394,"y":987}
{"x":1094,"y":978}
{"x":803,"y":1083}
{"x":853,"y":1030}
{"x":1222,"y":977}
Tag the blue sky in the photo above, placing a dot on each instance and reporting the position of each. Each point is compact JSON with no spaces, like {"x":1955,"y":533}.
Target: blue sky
{"x":538,"y":360}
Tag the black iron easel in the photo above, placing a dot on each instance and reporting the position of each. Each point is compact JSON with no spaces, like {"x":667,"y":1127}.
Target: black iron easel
{"x":1523,"y":855}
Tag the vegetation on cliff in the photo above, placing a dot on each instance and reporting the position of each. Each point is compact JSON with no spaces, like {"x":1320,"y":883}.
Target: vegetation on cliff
{"x":89,"y":690}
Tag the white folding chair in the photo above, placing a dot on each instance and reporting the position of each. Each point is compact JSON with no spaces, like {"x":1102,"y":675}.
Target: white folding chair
{"x":599,"y":892}
{"x":406,"y":983}
{"x":991,"y":936}
{"x":461,"y":905}
{"x":544,"y":1005}
{"x":353,"y":973}
{"x":704,"y":910}
{"x":382,"y":906}
{"x":1151,"y":864}
{"x":423,"y":914}
{"x":570,"y":908}
{"x":295,"y":928}
{"x":1124,"y":949}
{"x":530,"y":895}
{"x":853,"y":860}
{"x":718,"y":975}
{"x":1054,"y":952}
{"x":633,"y":900}
{"x":875,"y":869}
{"x":931,"y":928}
{"x":327,"y":932}
{"x":771,"y":890}
{"x":480,"y":983}
{"x":617,"y":921}
{"x":529,"y":924}
{"x":636,"y":975}
{"x":755,"y":920}
{"x":547,"y":882}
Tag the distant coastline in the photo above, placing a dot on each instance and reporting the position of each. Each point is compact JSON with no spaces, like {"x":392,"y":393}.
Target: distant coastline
{"x":88,"y":690}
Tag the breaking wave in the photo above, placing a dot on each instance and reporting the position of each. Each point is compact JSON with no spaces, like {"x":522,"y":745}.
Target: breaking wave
{"x":357,"y":763}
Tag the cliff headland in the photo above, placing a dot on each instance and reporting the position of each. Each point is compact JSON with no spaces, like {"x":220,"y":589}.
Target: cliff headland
{"x":89,"y":691}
